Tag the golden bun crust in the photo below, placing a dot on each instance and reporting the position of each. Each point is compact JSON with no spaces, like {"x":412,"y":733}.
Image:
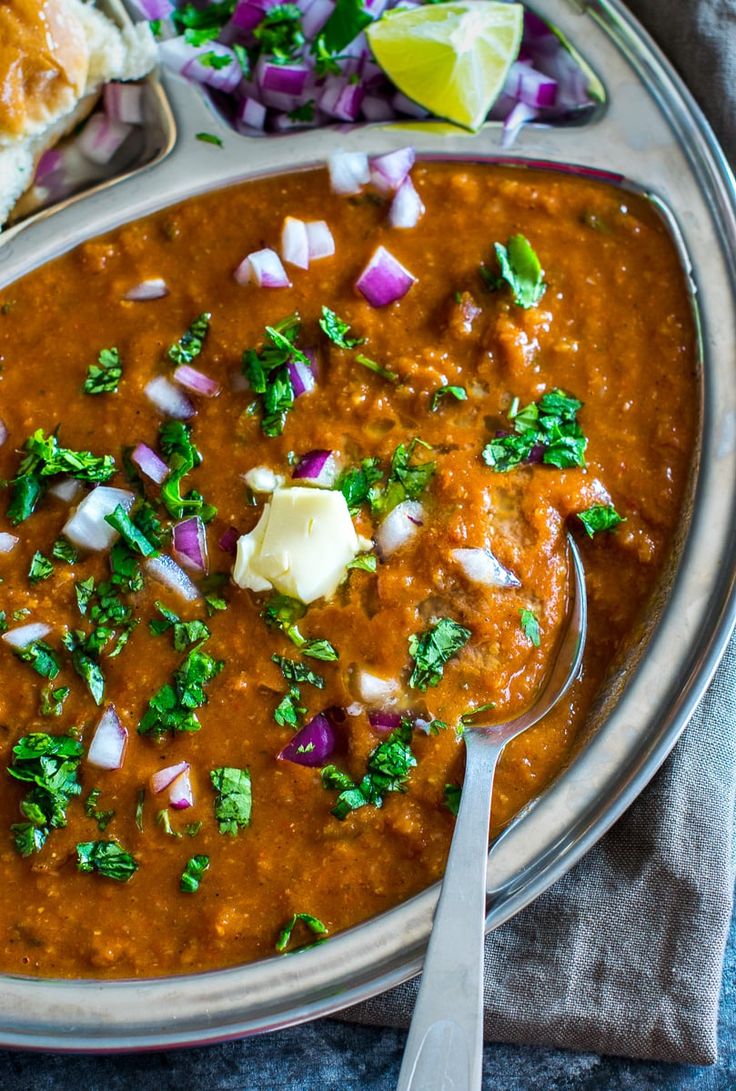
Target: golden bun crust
{"x":44,"y":61}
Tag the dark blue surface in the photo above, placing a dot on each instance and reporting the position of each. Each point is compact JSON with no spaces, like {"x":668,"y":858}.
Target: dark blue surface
{"x":333,"y":1056}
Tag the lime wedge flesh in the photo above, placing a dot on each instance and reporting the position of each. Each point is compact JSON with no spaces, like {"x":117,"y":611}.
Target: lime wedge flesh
{"x":453,"y":59}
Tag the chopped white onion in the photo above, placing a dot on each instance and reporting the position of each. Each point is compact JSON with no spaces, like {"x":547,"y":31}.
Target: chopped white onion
{"x":389,"y":171}
{"x":165,"y":569}
{"x":152,"y":288}
{"x":180,"y":792}
{"x":107,"y":749}
{"x":165,"y":777}
{"x":8,"y":542}
{"x":3,"y":431}
{"x":124,"y":102}
{"x":169,"y":399}
{"x":66,"y":488}
{"x":349,"y":172}
{"x":374,"y":690}
{"x":406,"y":208}
{"x":24,"y":635}
{"x":320,"y":240}
{"x":262,"y":479}
{"x":263,"y":268}
{"x":86,"y":526}
{"x":101,"y":137}
{"x":480,"y":566}
{"x":295,"y":243}
{"x":399,"y":527}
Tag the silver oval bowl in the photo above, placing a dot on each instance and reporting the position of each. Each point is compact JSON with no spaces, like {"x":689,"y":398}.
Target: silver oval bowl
{"x":651,"y":137}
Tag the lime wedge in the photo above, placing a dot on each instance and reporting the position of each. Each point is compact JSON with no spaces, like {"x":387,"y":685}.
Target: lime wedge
{"x":452,"y":59}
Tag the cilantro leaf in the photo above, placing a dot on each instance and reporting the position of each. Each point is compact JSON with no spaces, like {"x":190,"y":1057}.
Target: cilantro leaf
{"x":279,"y":32}
{"x":344,"y":25}
{"x":548,"y":427}
{"x":599,"y":517}
{"x":189,"y":345}
{"x":407,"y":480}
{"x":52,"y":700}
{"x":107,"y":858}
{"x":313,"y":924}
{"x":368,"y":562}
{"x":214,"y":15}
{"x":64,"y":551}
{"x":433,"y":648}
{"x":134,"y":538}
{"x":336,"y":330}
{"x":388,"y":769}
{"x":171,"y":708}
{"x":104,"y":376}
{"x":267,"y":372}
{"x":44,"y":458}
{"x":282,"y":612}
{"x":41,"y":657}
{"x":84,"y":651}
{"x":41,"y":568}
{"x":182,"y":457}
{"x":452,"y":794}
{"x":192,"y":874}
{"x":298,"y":672}
{"x":234,"y":799}
{"x":520,"y":269}
{"x":49,"y":763}
{"x":210,"y":138}
{"x":102,"y":818}
{"x":457,"y":392}
{"x":530,"y":627}
{"x":379,"y":369}
{"x":289,"y":710}
{"x":356,"y":483}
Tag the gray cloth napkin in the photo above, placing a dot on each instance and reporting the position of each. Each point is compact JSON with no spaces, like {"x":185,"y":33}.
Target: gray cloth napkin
{"x":624,"y":954}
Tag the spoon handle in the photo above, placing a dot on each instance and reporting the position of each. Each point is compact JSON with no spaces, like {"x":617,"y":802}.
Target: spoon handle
{"x":444,"y":1048}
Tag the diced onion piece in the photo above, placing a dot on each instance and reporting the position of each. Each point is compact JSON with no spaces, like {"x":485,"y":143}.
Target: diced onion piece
{"x":228,"y":541}
{"x":8,"y":542}
{"x":349,"y":172}
{"x":399,"y":527}
{"x":316,"y":16}
{"x":373,"y":690}
{"x":169,"y":399}
{"x":295,"y":242}
{"x":480,"y":566}
{"x":377,"y":108}
{"x":302,"y":377}
{"x":190,"y":543}
{"x":251,"y":115}
{"x":152,"y":288}
{"x":66,"y":488}
{"x":404,"y":105}
{"x":196,"y":381}
{"x":3,"y":432}
{"x":167,"y":571}
{"x":389,"y":171}
{"x":313,"y":745}
{"x":525,"y":84}
{"x":316,"y":467}
{"x":180,"y":792}
{"x":101,"y":137}
{"x":262,"y":479}
{"x":149,"y":463}
{"x":23,"y":635}
{"x":384,"y":721}
{"x":161,"y":779}
{"x":341,"y":98}
{"x":320,"y":242}
{"x":518,"y":117}
{"x":107,"y":749}
{"x":407,"y":208}
{"x":285,"y":79}
{"x":263,"y":268}
{"x":86,"y":526}
{"x":384,"y":279}
{"x":155,"y":9}
{"x":248,"y":13}
{"x":124,"y":102}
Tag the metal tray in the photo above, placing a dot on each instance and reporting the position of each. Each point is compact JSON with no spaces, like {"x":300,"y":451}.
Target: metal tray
{"x":650,"y":136}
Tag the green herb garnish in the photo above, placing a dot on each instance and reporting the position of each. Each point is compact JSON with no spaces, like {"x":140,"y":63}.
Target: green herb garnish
{"x":102,"y":818}
{"x":313,"y":924}
{"x":550,"y":425}
{"x":210,"y":138}
{"x":52,"y":700}
{"x":357,"y":484}
{"x":530,"y":627}
{"x":49,"y":763}
{"x":189,"y":345}
{"x":107,"y":858}
{"x":599,"y":517}
{"x":520,"y":269}
{"x":104,"y":376}
{"x":44,"y":458}
{"x":368,"y":562}
{"x":279,"y":32}
{"x":379,"y":369}
{"x":433,"y":648}
{"x":192,"y":874}
{"x":84,"y":650}
{"x":453,"y":794}
{"x":457,"y":392}
{"x":336,"y":329}
{"x":387,"y":771}
{"x":182,"y":457}
{"x":172,"y":707}
{"x":289,"y":710}
{"x":134,"y":538}
{"x":41,"y":568}
{"x":282,"y":612}
{"x":407,"y":479}
{"x":298,"y":672}
{"x":267,"y":372}
{"x":234,"y":799}
{"x":64,"y":551}
{"x":344,"y":25}
{"x":41,"y":657}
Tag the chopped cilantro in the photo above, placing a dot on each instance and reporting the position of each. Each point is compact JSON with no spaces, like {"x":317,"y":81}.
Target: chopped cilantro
{"x":214,"y":15}
{"x":241,"y":55}
{"x":336,"y":330}
{"x":279,"y":32}
{"x":407,"y":480}
{"x":530,"y":627}
{"x":234,"y":801}
{"x":64,"y":551}
{"x":189,"y":345}
{"x":49,"y":763}
{"x":41,"y":657}
{"x":282,"y":612}
{"x":84,"y":650}
{"x":52,"y":700}
{"x":457,"y":392}
{"x":519,"y":269}
{"x":104,"y":376}
{"x":163,"y":819}
{"x":356,"y":484}
{"x":549,"y":425}
{"x":371,"y":365}
{"x":313,"y":924}
{"x":134,"y":538}
{"x":172,"y":707}
{"x":140,"y":800}
{"x":107,"y":858}
{"x":267,"y":372}
{"x":3,"y":622}
{"x":185,"y":633}
{"x":305,"y":112}
{"x":41,"y":568}
{"x":344,"y":25}
{"x":368,"y":562}
{"x":387,"y":770}
{"x":453,"y":794}
{"x":599,"y":517}
{"x":192,"y":828}
{"x":215,"y":60}
{"x":210,"y":138}
{"x":182,"y":457}
{"x":289,"y":710}
{"x":192,"y":874}
{"x":44,"y":458}
{"x":84,"y":589}
{"x":433,"y":648}
{"x":298,"y":672}
{"x":102,"y":818}
{"x":468,"y":717}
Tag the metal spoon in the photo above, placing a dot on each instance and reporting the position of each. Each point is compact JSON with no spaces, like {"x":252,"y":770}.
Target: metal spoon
{"x":444,"y":1049}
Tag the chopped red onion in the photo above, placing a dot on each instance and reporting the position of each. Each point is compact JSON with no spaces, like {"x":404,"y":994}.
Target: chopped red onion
{"x":228,"y":542}
{"x":3,"y":432}
{"x":165,"y":569}
{"x":101,"y":137}
{"x":196,"y":381}
{"x":107,"y":749}
{"x":8,"y":542}
{"x":312,"y":745}
{"x":190,"y":543}
{"x":520,"y":114}
{"x":341,"y":98}
{"x":180,"y":793}
{"x":169,"y":399}
{"x":399,"y":527}
{"x":376,"y":108}
{"x":389,"y":171}
{"x":404,"y":105}
{"x":262,"y":479}
{"x":316,"y":16}
{"x":23,"y":635}
{"x":320,"y":242}
{"x":155,"y":9}
{"x":248,"y":13}
{"x":124,"y":102}
{"x":295,"y":242}
{"x":384,"y":721}
{"x":264,"y":268}
{"x":302,"y":377}
{"x":86,"y":526}
{"x":525,"y":84}
{"x":149,"y":463}
{"x":286,"y":79}
{"x":349,"y":172}
{"x":318,"y":467}
{"x":152,"y":288}
{"x":251,"y":114}
{"x":480,"y":566}
{"x":374,"y":690}
{"x":186,"y":59}
{"x":163,"y":778}
{"x":66,"y":488}
{"x":406,"y":208}
{"x":384,"y":279}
